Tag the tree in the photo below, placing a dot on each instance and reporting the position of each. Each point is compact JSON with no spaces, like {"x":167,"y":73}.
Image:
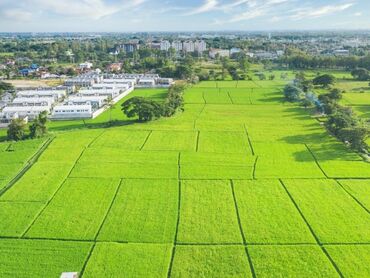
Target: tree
{"x":5,"y":87}
{"x":343,"y":118}
{"x":16,"y":129}
{"x":144,"y":109}
{"x":110,"y":105}
{"x":356,"y":137}
{"x":292,"y":93}
{"x":38,"y":127}
{"x":361,"y":74}
{"x":324,"y":80}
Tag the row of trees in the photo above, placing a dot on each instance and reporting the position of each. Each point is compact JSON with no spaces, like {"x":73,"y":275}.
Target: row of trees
{"x":341,"y":121}
{"x":17,"y":128}
{"x":146,"y":109}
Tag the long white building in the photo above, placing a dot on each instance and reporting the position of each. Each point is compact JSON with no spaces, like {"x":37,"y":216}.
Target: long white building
{"x":13,"y":112}
{"x":72,"y":111}
{"x":56,"y":94}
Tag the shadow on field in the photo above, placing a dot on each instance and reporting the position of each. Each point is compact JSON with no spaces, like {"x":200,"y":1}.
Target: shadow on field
{"x":86,"y":125}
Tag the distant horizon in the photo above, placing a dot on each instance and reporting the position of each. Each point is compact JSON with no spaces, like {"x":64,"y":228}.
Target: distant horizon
{"x":45,"y":16}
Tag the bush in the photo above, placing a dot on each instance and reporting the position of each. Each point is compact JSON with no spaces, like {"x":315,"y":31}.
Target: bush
{"x":16,"y":130}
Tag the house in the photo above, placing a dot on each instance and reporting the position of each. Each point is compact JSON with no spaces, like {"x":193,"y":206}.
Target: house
{"x":213,"y":53}
{"x":56,"y":94}
{"x":11,"y":112}
{"x":81,"y":82}
{"x":100,"y":92}
{"x":165,"y":81}
{"x":146,"y":82}
{"x":114,"y":67}
{"x":95,"y":101}
{"x":72,"y":112}
{"x":33,"y":101}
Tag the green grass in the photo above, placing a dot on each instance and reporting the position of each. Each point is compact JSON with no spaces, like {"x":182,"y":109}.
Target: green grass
{"x":39,"y":183}
{"x":77,"y":211}
{"x":267,"y":214}
{"x":346,"y":169}
{"x":223,"y":142}
{"x":291,"y":261}
{"x":171,"y":141}
{"x":129,"y":260}
{"x":360,"y":189}
{"x":207,"y":213}
{"x":333,"y":215}
{"x":16,"y":217}
{"x":143,"y":211}
{"x":210,"y":261}
{"x":121,"y":139}
{"x":41,"y":258}
{"x":352,"y":260}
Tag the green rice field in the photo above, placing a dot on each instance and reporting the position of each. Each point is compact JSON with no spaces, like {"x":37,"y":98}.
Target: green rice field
{"x":240,"y":184}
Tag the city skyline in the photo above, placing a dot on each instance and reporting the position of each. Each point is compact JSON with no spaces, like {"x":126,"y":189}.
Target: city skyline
{"x":175,"y":15}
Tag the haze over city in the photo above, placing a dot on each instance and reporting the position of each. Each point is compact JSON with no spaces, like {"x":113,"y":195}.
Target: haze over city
{"x":180,"y":15}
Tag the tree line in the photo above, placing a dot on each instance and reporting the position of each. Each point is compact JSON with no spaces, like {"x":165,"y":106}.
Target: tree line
{"x":146,"y":109}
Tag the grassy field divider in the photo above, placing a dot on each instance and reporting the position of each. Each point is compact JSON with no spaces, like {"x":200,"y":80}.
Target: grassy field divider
{"x":316,"y":161}
{"x":311,"y":229}
{"x":27,"y":165}
{"x":254,"y":168}
{"x":200,"y":113}
{"x":87,"y":259}
{"x":197,"y":143}
{"x":241,"y":230}
{"x":177,"y":229}
{"x":353,"y":197}
{"x":146,"y":139}
{"x":204,"y":98}
{"x":108,"y":210}
{"x":231,"y":99}
{"x":249,"y":139}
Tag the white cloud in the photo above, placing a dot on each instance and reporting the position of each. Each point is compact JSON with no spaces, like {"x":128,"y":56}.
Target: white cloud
{"x":208,"y":5}
{"x":321,"y":11}
{"x":357,"y":14}
{"x":16,"y":14}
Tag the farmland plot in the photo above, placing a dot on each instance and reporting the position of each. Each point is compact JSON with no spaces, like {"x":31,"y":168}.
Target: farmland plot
{"x":360,"y":189}
{"x":207,"y":213}
{"x":143,"y":211}
{"x":267,"y":214}
{"x":122,"y":139}
{"x":210,"y":261}
{"x":41,"y":258}
{"x":16,"y":217}
{"x":171,"y":141}
{"x":39,"y":183}
{"x":291,"y":261}
{"x":129,"y":260}
{"x":223,"y":142}
{"x":67,"y":217}
{"x":352,"y":260}
{"x":345,"y":169}
{"x":338,"y":219}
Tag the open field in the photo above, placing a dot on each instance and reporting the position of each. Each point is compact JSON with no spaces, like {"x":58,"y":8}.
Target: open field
{"x":240,"y":184}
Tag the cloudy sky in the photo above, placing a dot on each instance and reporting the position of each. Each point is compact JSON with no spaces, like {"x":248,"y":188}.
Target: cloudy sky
{"x":181,"y":15}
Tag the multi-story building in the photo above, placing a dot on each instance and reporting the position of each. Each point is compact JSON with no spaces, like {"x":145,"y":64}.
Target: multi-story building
{"x":200,"y":46}
{"x":188,"y":46}
{"x":165,"y":45}
{"x":177,"y":45}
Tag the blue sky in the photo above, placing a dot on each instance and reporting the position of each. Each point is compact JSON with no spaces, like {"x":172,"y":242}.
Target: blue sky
{"x":181,"y":15}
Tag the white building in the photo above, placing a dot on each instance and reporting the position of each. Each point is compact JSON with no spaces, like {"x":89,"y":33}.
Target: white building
{"x":56,"y":94}
{"x":218,"y":52}
{"x":188,"y":46}
{"x":165,"y":45}
{"x":72,"y":112}
{"x":12,"y":112}
{"x":165,"y":81}
{"x":100,"y":92}
{"x":200,"y":46}
{"x":146,"y":82}
{"x":32,"y":101}
{"x":85,"y":66}
{"x":95,"y":101}
{"x":177,"y":45}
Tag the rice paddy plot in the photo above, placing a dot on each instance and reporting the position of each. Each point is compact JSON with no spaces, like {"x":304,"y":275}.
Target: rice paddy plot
{"x":10,"y":170}
{"x":216,"y":97}
{"x":143,"y":211}
{"x":333,"y":151}
{"x":207,"y":213}
{"x":122,"y":139}
{"x":128,"y":260}
{"x":360,"y":189}
{"x":117,"y":155}
{"x":15,"y":217}
{"x":75,"y":139}
{"x":171,"y":141}
{"x":226,"y":159}
{"x":291,"y":261}
{"x":223,"y":142}
{"x":216,"y":172}
{"x":357,"y":98}
{"x":207,"y":84}
{"x":39,"y":183}
{"x":333,"y":215}
{"x":352,"y":260}
{"x":76,"y":211}
{"x":210,"y":261}
{"x":194,"y":95}
{"x":125,"y":170}
{"x":267,"y":214}
{"x":346,"y":169}
{"x":61,"y":154}
{"x":41,"y":258}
